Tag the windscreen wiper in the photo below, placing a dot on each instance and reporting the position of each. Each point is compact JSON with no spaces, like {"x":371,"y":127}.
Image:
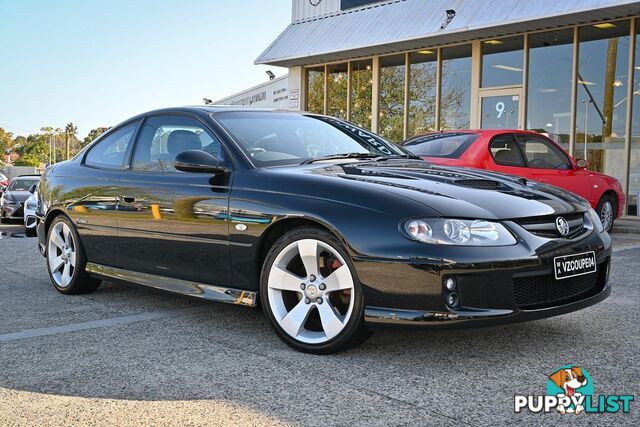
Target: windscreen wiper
{"x":371,"y":156}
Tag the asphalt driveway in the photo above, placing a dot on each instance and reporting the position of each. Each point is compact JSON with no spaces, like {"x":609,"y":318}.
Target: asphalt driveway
{"x":132,"y":355}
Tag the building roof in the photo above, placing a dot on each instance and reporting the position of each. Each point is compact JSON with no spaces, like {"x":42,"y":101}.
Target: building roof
{"x":391,"y":26}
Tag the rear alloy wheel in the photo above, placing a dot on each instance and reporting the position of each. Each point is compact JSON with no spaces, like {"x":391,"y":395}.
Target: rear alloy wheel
{"x":607,"y":212}
{"x":66,"y":260}
{"x":311,"y":294}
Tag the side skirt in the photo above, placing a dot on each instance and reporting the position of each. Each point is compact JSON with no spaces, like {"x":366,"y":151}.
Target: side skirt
{"x":184,"y":287}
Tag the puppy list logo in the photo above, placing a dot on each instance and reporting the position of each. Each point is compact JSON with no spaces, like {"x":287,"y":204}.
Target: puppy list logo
{"x":570,"y":390}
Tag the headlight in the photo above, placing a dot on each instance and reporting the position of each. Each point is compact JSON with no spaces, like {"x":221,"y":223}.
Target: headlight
{"x":595,"y":220}
{"x":460,"y":232}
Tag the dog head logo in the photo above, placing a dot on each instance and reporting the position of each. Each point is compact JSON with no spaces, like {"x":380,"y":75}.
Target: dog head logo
{"x":569,"y":379}
{"x":571,"y":382}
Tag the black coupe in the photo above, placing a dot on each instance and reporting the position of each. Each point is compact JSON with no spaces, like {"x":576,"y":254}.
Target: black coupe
{"x":334,"y":230}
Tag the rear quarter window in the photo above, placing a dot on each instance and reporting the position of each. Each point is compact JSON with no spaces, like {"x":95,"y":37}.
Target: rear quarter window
{"x":441,"y":145}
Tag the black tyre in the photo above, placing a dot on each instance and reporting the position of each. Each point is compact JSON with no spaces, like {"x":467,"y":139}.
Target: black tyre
{"x":607,"y":211}
{"x":30,"y":232}
{"x":311,"y":294}
{"x":66,"y":260}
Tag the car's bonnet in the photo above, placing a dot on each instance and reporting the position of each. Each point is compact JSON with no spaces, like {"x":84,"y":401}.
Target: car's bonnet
{"x":461,"y":192}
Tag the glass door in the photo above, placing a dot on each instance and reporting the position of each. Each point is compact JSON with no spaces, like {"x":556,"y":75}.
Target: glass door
{"x":500,"y":109}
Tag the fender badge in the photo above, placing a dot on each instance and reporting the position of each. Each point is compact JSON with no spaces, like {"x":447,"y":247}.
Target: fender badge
{"x":241,"y":227}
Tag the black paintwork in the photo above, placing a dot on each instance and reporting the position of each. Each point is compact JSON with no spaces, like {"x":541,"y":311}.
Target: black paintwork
{"x":182,"y":225}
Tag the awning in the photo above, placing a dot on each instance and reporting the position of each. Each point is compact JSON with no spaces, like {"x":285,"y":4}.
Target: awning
{"x":387,"y":27}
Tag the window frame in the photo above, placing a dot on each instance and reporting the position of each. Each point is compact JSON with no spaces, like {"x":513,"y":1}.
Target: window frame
{"x":554,"y":146}
{"x":522,"y":156}
{"x":231,"y":162}
{"x":127,"y":155}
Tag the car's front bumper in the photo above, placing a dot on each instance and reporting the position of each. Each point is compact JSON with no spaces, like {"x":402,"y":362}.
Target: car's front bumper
{"x":495,"y":285}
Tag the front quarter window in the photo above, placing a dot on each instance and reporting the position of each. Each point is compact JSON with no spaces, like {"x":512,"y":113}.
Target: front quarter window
{"x":110,"y":151}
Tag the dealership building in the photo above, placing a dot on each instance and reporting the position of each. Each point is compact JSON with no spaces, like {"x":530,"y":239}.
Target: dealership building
{"x":568,"y":69}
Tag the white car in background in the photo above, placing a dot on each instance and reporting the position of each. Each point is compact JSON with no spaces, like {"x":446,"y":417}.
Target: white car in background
{"x":30,"y":206}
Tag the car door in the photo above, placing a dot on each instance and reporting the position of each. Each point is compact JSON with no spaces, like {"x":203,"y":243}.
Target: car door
{"x":547,"y":163}
{"x":92,"y":189}
{"x":173,"y":223}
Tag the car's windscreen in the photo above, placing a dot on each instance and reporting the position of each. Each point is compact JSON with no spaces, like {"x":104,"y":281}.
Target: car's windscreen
{"x":273,"y":138}
{"x":448,"y":145}
{"x":22,"y":184}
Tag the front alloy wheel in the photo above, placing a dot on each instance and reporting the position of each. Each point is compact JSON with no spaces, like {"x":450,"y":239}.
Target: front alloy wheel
{"x":312,"y":296}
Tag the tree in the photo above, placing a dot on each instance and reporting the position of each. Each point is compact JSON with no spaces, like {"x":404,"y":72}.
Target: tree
{"x":93,"y":134}
{"x":27,"y":160}
{"x":6,"y":140}
{"x":70,"y":132}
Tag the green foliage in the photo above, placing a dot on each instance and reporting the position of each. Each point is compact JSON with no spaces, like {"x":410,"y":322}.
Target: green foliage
{"x":93,"y":134}
{"x":5,"y":140}
{"x":27,"y":160}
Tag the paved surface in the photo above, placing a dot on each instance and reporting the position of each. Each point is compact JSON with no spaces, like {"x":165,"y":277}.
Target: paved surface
{"x":128,"y":355}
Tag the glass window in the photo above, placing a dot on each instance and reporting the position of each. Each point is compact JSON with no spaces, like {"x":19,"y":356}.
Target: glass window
{"x":602,"y":96}
{"x":361,"y":92}
{"x":337,"y":90}
{"x":505,"y":151}
{"x":542,"y":154}
{"x":162,"y":138}
{"x":110,"y":151}
{"x":634,"y":162}
{"x":502,"y":61}
{"x":392,"y":69}
{"x":549,"y":92}
{"x":455,"y":104}
{"x":315,"y":90}
{"x":422,"y":91}
{"x":449,"y":145}
{"x":272,"y":138}
{"x":499,"y":112}
{"x":22,"y":184}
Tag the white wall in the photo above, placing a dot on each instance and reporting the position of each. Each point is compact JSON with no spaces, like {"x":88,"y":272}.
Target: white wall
{"x":271,"y":94}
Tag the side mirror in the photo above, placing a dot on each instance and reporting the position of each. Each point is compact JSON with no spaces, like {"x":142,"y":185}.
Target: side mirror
{"x":581,"y":164}
{"x":199,"y":161}
{"x":32,"y":189}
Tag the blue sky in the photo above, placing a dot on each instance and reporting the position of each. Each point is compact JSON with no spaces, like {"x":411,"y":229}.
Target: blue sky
{"x":98,"y":62}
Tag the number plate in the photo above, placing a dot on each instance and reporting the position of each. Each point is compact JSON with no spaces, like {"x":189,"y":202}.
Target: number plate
{"x":574,"y":265}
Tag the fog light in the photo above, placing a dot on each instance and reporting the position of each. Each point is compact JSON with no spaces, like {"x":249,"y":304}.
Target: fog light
{"x":450,"y":284}
{"x":452,"y":299}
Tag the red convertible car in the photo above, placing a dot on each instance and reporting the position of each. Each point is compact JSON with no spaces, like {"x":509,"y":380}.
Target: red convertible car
{"x":523,"y":153}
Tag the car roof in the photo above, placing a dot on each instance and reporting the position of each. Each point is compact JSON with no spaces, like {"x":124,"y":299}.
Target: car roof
{"x":483,"y":132}
{"x":200,"y":109}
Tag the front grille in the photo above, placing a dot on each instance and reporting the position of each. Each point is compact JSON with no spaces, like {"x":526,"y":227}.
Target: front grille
{"x":544,"y":291}
{"x":481,"y":184}
{"x":545,"y":226}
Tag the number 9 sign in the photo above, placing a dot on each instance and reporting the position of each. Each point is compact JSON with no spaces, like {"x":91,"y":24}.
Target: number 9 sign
{"x":500,"y":109}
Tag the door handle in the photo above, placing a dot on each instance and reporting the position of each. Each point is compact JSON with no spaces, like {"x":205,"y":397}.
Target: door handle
{"x":128,"y":199}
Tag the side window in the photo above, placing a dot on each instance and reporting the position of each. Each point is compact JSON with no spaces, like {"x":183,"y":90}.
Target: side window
{"x":505,"y":152}
{"x":541,"y":153}
{"x":164,"y":137}
{"x":110,"y":152}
